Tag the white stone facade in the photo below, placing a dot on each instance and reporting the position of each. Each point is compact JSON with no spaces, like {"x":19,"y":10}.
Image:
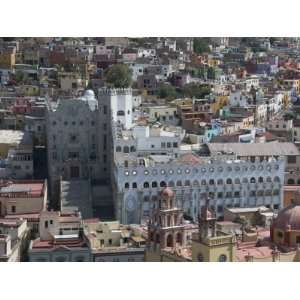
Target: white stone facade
{"x":227,"y":183}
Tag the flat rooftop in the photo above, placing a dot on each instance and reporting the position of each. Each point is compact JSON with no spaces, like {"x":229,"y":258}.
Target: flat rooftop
{"x":31,"y":188}
{"x":15,"y":137}
{"x":255,"y":149}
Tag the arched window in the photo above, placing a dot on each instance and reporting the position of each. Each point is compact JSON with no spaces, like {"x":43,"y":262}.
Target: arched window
{"x":195,"y":183}
{"x":291,"y":181}
{"x":134,"y":185}
{"x":200,"y":257}
{"x":179,"y":238}
{"x":245,"y":180}
{"x":211,"y":182}
{"x":220,"y":182}
{"x":171,"y":183}
{"x":203,"y":182}
{"x":118,"y":149}
{"x":237,"y":181}
{"x":269,"y":179}
{"x":170,"y":240}
{"x":187,"y":183}
{"x":120,"y":113}
{"x":146,"y":185}
{"x":154,"y":184}
{"x":126,"y":185}
{"x":126,"y":149}
{"x":132,"y":149}
{"x":229,"y":181}
{"x":179,"y":183}
{"x":163,"y":184}
{"x":260,"y":179}
{"x":169,"y":221}
{"x":222,"y":258}
{"x":252,"y":180}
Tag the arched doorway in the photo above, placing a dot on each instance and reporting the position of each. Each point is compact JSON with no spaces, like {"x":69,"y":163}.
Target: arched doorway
{"x":170,"y":240}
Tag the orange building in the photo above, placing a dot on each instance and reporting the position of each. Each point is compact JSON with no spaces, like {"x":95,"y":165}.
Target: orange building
{"x":289,"y":194}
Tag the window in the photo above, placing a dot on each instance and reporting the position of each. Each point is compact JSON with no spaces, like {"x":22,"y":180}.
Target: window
{"x":131,"y":259}
{"x":228,"y":194}
{"x":110,"y":242}
{"x":220,"y":208}
{"x":46,"y":224}
{"x":120,"y":113}
{"x":126,"y":185}
{"x":222,"y":258}
{"x":102,"y":242}
{"x":200,"y":257}
{"x":79,"y":259}
{"x":163,"y":145}
{"x":93,"y":123}
{"x":291,"y":159}
{"x":297,"y":239}
{"x":229,"y":181}
{"x":220,"y":195}
{"x":13,"y":209}
{"x":237,"y":194}
{"x":134,"y":185}
{"x":175,"y":145}
{"x":104,"y":109}
{"x":168,"y":145}
{"x":51,"y":222}
{"x":279,"y":234}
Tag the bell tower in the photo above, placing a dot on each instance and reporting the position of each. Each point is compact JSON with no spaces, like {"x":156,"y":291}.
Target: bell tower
{"x":166,"y":227}
{"x":207,"y":222}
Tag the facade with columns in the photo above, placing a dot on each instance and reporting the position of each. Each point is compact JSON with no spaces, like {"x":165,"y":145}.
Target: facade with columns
{"x":229,"y":183}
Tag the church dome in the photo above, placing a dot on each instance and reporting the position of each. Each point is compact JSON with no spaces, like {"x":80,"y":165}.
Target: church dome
{"x":89,"y":94}
{"x":288,"y":218}
{"x":167,"y":192}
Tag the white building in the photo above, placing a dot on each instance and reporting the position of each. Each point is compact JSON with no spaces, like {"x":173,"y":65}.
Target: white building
{"x":228,"y":182}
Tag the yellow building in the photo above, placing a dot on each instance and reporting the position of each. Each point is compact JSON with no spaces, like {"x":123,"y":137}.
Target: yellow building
{"x":29,"y":90}
{"x":7,"y":60}
{"x":285,"y":230}
{"x":220,"y":102}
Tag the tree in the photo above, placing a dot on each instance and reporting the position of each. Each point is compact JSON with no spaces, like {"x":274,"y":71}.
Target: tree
{"x":119,"y":76}
{"x":195,"y":90}
{"x":166,"y":91}
{"x":201,"y":45}
{"x":211,"y":73}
